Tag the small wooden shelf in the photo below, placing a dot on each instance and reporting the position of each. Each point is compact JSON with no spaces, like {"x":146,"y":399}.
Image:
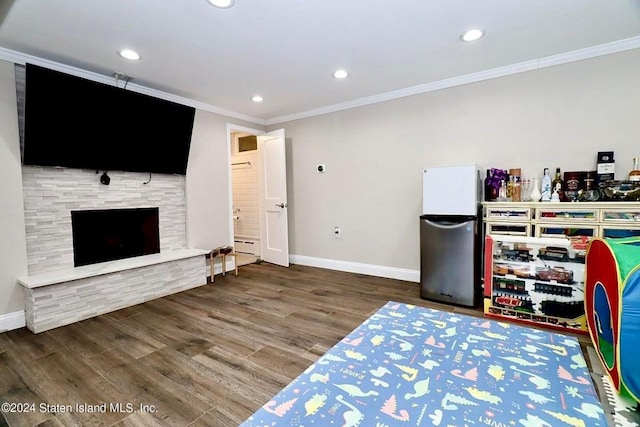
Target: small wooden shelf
{"x":217,"y":254}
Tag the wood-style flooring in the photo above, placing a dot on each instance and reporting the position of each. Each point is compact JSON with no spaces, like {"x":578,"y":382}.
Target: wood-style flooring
{"x":210,"y":356}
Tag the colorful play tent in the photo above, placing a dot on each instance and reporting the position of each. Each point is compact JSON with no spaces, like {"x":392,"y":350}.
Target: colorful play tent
{"x":612,"y":306}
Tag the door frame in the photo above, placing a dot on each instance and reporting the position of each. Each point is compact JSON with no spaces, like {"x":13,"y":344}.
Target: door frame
{"x":230,"y":129}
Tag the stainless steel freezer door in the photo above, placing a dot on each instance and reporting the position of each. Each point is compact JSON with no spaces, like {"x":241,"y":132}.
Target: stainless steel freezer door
{"x":449,"y":261}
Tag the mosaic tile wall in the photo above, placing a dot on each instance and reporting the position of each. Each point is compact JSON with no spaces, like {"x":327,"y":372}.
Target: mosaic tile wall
{"x":49,"y":307}
{"x":50,"y":194}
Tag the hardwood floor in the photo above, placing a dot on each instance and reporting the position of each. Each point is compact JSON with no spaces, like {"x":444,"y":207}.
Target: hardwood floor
{"x":210,"y":356}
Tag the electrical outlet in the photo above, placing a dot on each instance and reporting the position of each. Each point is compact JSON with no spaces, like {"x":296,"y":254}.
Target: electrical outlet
{"x":337,"y":232}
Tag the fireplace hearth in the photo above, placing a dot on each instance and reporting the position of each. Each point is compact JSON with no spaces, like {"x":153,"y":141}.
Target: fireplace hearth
{"x":110,"y":234}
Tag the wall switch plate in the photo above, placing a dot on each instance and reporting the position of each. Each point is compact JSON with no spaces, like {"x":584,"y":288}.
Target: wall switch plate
{"x":337,"y":232}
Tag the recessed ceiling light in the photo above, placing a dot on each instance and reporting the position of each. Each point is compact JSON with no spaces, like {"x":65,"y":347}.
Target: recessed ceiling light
{"x":129,"y":54}
{"x":472,"y":35}
{"x":257,"y":98}
{"x":222,"y":4}
{"x":341,"y":74}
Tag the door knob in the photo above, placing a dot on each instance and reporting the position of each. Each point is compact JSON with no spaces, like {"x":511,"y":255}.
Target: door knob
{"x":282,"y":205}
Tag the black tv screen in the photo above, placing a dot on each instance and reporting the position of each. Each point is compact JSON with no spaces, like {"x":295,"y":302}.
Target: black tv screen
{"x":78,"y":123}
{"x":109,"y":234}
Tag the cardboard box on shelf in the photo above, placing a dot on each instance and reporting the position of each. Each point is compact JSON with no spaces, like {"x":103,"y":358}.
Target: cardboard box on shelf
{"x":606,"y":166}
{"x":535,"y":280}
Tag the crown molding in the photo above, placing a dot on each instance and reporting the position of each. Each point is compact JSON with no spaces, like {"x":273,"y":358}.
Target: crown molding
{"x":535,"y":64}
{"x":22,"y":59}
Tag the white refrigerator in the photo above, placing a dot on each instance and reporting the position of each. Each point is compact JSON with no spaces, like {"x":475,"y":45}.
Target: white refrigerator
{"x":450,"y":230}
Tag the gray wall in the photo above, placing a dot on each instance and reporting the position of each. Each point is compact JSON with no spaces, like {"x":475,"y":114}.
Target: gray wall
{"x":558,"y":116}
{"x":208,"y":181}
{"x":13,"y":249}
{"x":553,"y":117}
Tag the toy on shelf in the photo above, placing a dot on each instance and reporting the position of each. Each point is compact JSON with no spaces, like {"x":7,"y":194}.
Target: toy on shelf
{"x":535,"y":280}
{"x":612,"y":304}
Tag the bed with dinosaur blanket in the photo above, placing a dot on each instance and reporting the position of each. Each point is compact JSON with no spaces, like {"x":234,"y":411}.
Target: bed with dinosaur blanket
{"x":413,"y":366}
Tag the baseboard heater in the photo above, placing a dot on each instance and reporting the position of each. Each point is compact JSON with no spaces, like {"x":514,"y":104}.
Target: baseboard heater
{"x":247,"y":246}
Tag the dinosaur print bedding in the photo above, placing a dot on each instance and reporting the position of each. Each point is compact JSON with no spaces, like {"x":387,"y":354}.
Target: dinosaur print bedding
{"x":414,"y":366}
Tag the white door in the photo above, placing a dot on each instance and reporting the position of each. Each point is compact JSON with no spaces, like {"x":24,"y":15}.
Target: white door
{"x":274,"y":232}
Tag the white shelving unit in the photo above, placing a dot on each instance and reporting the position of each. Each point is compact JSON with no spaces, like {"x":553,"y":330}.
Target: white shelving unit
{"x":546,"y":219}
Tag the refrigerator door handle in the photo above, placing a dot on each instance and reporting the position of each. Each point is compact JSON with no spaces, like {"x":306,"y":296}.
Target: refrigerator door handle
{"x":450,"y":226}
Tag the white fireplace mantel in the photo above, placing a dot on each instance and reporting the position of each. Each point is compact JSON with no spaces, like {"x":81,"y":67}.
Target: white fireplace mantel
{"x":92,"y":270}
{"x":58,"y":298}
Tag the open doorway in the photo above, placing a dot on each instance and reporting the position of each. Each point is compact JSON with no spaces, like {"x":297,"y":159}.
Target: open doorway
{"x":258,"y":215}
{"x":245,"y":202}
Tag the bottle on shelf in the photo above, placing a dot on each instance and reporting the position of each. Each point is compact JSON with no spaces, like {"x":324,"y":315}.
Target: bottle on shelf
{"x":516,"y":190}
{"x":557,"y":188}
{"x":573,"y":183}
{"x":634,"y":174}
{"x":525,"y":186}
{"x":545,"y":185}
{"x":510,"y":185}
{"x":590,"y":193}
{"x":502,"y":191}
{"x":490,"y":191}
{"x":535,"y":194}
{"x":516,"y":193}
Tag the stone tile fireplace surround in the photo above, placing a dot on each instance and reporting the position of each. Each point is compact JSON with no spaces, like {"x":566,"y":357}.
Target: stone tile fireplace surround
{"x":56,"y":292}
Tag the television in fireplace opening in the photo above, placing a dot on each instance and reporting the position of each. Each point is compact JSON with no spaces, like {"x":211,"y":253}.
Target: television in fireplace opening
{"x":110,"y":234}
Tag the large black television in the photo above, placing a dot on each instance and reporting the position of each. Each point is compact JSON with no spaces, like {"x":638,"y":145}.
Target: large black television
{"x":102,"y":235}
{"x":78,"y":123}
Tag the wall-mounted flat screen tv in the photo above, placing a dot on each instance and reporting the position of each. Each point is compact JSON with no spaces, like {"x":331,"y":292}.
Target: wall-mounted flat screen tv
{"x":78,"y":123}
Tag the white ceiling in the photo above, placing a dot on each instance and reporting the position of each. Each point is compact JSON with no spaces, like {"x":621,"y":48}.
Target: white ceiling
{"x":287,"y":50}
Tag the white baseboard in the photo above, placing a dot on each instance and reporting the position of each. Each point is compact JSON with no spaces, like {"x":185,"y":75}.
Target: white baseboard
{"x":11,"y":321}
{"x":355,"y":267}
